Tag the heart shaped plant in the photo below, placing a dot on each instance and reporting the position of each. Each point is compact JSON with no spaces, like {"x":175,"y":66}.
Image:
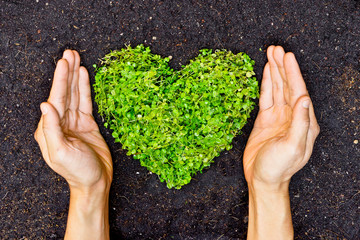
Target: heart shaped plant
{"x":175,"y":122}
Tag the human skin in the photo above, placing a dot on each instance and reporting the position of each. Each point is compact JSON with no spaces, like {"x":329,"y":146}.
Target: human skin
{"x":279,"y":145}
{"x":72,"y":146}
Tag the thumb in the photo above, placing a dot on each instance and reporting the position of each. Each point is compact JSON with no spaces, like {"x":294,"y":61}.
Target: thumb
{"x":52,"y":130}
{"x":300,"y":122}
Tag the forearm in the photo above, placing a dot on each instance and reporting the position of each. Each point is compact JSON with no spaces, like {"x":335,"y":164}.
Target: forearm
{"x":88,"y":215}
{"x":269,"y":213}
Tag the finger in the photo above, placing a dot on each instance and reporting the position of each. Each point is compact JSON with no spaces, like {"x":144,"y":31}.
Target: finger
{"x":58,"y":95}
{"x":277,"y":81}
{"x":313,"y":122}
{"x":74,"y":104}
{"x":85,"y":104}
{"x":300,"y":123}
{"x":51,"y":128}
{"x":70,"y":58}
{"x":297,"y":87}
{"x":40,"y":138}
{"x":314,"y":131}
{"x":266,"y":98}
{"x":279,"y":54}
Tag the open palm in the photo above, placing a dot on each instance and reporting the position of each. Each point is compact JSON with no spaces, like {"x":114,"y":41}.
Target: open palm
{"x":67,"y":133}
{"x":285,"y":129}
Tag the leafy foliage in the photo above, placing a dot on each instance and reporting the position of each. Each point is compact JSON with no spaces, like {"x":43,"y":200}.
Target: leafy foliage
{"x":175,"y":122}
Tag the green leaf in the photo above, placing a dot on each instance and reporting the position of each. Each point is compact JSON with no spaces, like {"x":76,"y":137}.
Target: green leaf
{"x":175,"y":122}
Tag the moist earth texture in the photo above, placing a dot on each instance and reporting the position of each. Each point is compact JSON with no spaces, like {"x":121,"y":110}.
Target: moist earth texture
{"x":324,"y":35}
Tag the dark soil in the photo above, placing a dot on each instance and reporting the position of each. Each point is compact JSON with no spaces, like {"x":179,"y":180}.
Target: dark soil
{"x":324,"y":35}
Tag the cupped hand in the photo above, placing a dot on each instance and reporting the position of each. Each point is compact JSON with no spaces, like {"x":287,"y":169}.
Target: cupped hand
{"x":285,"y":129}
{"x":67,"y":133}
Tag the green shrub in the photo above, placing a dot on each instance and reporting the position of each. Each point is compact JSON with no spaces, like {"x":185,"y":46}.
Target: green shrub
{"x":175,"y":122}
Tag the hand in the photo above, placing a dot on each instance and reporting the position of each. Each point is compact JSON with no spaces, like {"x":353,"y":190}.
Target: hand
{"x":279,"y":145}
{"x":72,"y":146}
{"x":285,"y":129}
{"x":68,"y":135}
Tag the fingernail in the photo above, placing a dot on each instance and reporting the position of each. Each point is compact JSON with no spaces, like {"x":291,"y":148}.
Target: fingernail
{"x":44,"y":109}
{"x":306,"y":103}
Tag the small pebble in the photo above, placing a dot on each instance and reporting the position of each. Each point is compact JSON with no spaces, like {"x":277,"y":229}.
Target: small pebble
{"x":356,"y":141}
{"x":154,"y":38}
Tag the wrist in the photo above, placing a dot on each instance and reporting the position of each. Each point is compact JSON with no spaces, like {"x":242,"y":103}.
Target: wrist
{"x":100,"y":187}
{"x":87,"y":200}
{"x":269,"y":211}
{"x":268,"y":189}
{"x":88,"y":213}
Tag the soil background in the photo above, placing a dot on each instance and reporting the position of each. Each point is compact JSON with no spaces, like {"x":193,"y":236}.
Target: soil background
{"x":325,"y":37}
